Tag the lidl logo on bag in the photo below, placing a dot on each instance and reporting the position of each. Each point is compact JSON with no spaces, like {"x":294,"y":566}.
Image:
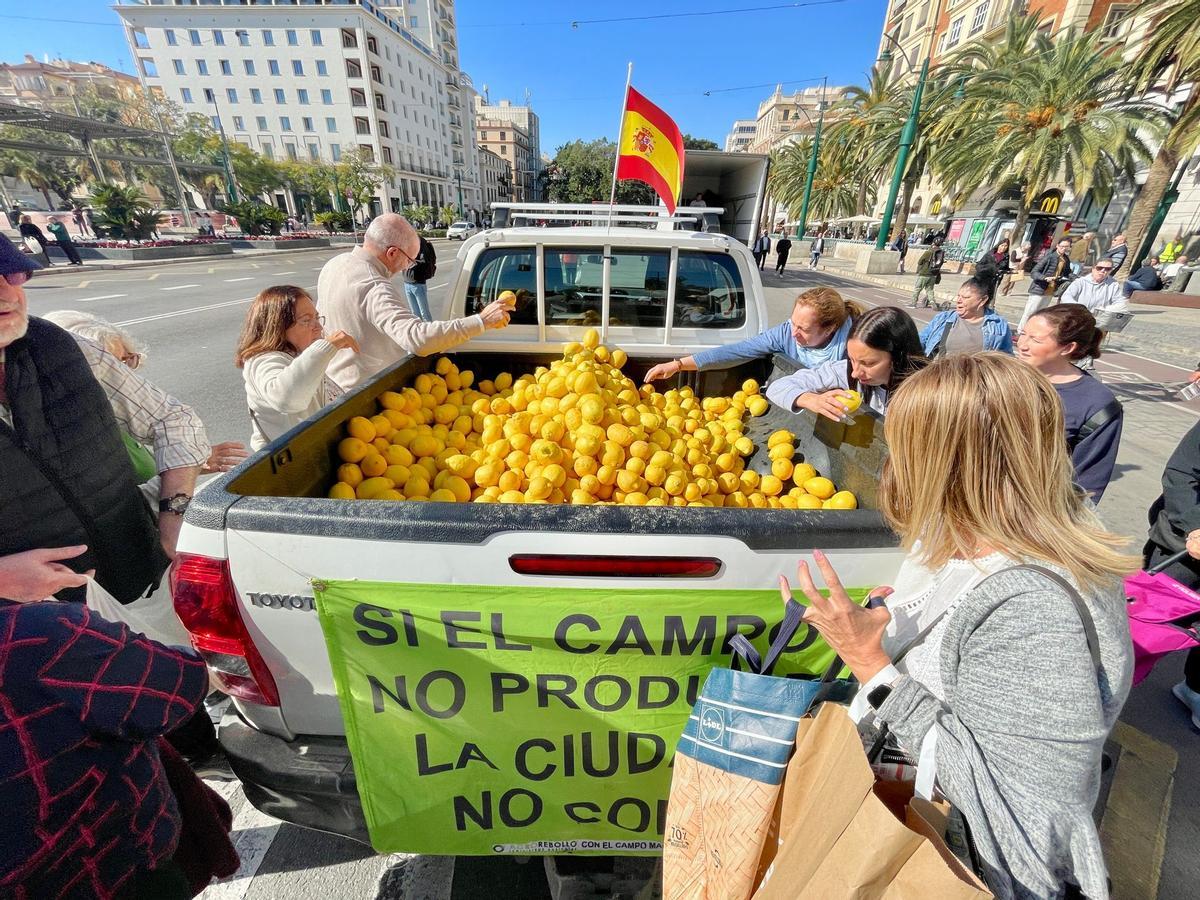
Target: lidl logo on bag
{"x":712,"y":725}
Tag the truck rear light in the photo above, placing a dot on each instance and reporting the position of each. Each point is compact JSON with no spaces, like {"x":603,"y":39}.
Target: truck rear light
{"x":614,"y":566}
{"x":207,"y":605}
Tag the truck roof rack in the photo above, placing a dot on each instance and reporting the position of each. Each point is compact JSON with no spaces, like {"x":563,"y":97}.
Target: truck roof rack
{"x":697,"y":218}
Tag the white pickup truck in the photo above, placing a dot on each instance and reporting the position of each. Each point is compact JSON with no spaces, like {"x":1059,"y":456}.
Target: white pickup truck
{"x":255,"y":539}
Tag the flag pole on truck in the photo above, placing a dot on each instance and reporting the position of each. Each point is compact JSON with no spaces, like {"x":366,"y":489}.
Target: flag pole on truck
{"x":649,"y":149}
{"x":612,"y":196}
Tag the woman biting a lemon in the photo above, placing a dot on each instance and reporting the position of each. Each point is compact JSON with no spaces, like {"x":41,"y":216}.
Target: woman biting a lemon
{"x":815,"y":333}
{"x":883,"y":349}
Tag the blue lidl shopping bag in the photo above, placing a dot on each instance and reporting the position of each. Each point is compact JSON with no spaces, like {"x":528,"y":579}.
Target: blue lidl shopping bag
{"x":729,"y":766}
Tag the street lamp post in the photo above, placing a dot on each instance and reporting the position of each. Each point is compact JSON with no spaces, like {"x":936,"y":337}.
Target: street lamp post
{"x":812,"y":161}
{"x":458,"y":178}
{"x":230,"y":186}
{"x":907,"y":139}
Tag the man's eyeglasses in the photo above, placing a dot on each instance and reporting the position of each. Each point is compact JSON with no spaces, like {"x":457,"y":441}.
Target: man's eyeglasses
{"x":133,"y":360}
{"x":309,"y":321}
{"x":16,"y":279}
{"x":1104,"y":268}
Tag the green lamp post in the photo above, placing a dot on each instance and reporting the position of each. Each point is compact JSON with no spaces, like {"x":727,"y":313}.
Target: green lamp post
{"x":907,"y":138}
{"x":812,"y":162}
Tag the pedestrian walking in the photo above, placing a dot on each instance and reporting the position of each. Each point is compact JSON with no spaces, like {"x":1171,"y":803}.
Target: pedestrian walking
{"x":80,"y":224}
{"x":1020,"y":262}
{"x":1117,"y":252}
{"x":1082,"y":251}
{"x":967,"y":328}
{"x":87,"y":220}
{"x":991,"y":267}
{"x":357,"y":296}
{"x":900,"y":245}
{"x":59,"y":230}
{"x":416,"y":279}
{"x":929,"y":273}
{"x":35,"y":241}
{"x":1049,"y":274}
{"x":817,"y":248}
{"x":783,"y":247}
{"x":762,"y":248}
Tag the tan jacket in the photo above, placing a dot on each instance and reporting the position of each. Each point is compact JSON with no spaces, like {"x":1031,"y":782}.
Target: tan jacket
{"x":356,"y":295}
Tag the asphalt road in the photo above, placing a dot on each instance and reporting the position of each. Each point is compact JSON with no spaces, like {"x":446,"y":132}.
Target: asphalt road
{"x":189,"y":315}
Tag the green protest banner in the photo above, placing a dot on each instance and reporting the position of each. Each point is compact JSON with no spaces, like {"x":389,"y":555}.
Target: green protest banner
{"x":507,"y":720}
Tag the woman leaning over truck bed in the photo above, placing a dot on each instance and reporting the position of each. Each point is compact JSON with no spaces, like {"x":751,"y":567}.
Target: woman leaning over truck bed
{"x":283,"y":355}
{"x":1002,"y":655}
{"x":815,"y":333}
{"x":883,"y":348}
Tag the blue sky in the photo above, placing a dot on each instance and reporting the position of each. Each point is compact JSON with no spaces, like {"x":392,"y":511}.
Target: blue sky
{"x":575,"y":75}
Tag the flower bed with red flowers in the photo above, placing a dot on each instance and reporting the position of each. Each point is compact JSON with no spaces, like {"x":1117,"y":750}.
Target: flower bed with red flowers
{"x":126,"y":245}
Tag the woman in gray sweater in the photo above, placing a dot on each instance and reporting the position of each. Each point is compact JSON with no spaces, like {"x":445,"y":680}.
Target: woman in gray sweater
{"x":1002,"y":656}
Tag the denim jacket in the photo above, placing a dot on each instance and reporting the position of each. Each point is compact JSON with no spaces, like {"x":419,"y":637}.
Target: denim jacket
{"x":997,"y":335}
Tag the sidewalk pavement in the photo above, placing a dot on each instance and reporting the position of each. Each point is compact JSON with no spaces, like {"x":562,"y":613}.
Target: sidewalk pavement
{"x":1161,"y":333}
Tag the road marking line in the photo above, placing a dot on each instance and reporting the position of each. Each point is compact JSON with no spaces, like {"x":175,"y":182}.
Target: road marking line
{"x":83,"y":284}
{"x":184,"y":312}
{"x":211,"y":269}
{"x":243,"y":278}
{"x":101,"y":297}
{"x":252,"y":835}
{"x":155,"y":275}
{"x":178,"y":287}
{"x":1133,"y":830}
{"x":289,"y":272}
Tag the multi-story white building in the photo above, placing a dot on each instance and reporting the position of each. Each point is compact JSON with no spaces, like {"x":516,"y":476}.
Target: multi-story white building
{"x":527,"y":186}
{"x":784,"y":118}
{"x":497,"y":178}
{"x":315,"y":79}
{"x":741,"y":136}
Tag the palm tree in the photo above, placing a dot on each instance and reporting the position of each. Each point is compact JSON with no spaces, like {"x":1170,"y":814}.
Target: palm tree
{"x":835,"y":183}
{"x":854,"y":129}
{"x":1169,"y":59}
{"x":1056,"y":113}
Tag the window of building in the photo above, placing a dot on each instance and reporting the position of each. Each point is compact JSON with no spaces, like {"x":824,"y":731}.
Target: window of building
{"x":291,"y":150}
{"x":327,"y":96}
{"x":314,"y":35}
{"x":367,"y":151}
{"x":955,"y":31}
{"x":285,"y":123}
{"x":335,"y":152}
{"x":322,"y":69}
{"x":194,"y":37}
{"x":261,"y":121}
{"x":362,"y":125}
{"x":243,"y":37}
{"x":218,"y":37}
{"x":280,"y":97}
{"x":178,"y":64}
{"x":387,"y":155}
{"x":268,"y":149}
{"x":268,"y":38}
{"x":201,"y":67}
{"x":255,"y":95}
{"x":273,"y":66}
{"x":302,"y":96}
{"x":376,"y":75}
{"x":353,"y":69}
{"x":349,"y":38}
{"x":170,"y":34}
{"x":331,"y":124}
{"x":383,"y":129}
{"x":231,"y":95}
{"x":372,"y":45}
{"x":226,"y":68}
{"x":503,"y":136}
{"x":186,"y":94}
{"x":1116,"y":22}
{"x":314,"y":152}
{"x":358,"y":97}
{"x":239,"y":123}
{"x":297,"y":67}
{"x":208,"y":95}
{"x":292,"y":40}
{"x":504,"y":149}
{"x":980,"y":19}
{"x":379,"y":104}
{"x":414,"y":22}
{"x":215,"y":121}
{"x":307,"y":123}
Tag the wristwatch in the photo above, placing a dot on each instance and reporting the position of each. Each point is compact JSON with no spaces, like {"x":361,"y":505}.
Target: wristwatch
{"x":877,"y":696}
{"x":176,"y":503}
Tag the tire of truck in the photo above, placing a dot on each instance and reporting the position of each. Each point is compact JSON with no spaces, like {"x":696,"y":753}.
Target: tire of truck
{"x":412,"y":877}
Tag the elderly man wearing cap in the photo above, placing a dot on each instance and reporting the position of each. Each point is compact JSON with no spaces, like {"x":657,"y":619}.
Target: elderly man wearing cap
{"x":65,"y":477}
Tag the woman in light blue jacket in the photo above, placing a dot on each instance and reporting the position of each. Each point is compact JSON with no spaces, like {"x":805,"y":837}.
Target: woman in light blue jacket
{"x":815,"y":334}
{"x":969,"y":327}
{"x":882,"y":350}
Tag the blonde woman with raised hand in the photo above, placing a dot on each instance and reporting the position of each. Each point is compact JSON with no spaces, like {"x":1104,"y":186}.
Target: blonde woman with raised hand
{"x":1002,"y":656}
{"x":283,"y":354}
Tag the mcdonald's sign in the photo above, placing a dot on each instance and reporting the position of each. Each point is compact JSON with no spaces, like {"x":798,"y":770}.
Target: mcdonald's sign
{"x":1049,"y":202}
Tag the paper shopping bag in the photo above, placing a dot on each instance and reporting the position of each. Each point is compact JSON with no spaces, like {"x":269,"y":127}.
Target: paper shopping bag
{"x":727,"y":772}
{"x":834,"y":837}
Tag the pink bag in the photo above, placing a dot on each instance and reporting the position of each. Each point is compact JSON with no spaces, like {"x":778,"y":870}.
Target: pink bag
{"x":1163,"y":616}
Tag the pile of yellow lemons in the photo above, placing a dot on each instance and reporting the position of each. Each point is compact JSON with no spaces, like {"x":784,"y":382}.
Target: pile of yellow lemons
{"x":576,"y":432}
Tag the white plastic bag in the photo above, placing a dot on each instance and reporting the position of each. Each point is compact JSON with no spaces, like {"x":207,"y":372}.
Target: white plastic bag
{"x":153,"y":616}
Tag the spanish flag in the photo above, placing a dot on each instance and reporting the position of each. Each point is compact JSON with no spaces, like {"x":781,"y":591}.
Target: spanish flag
{"x":650,"y":149}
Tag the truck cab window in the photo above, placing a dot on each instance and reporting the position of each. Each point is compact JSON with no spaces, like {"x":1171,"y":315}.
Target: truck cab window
{"x":708,"y":292}
{"x":637,"y":287}
{"x":574,"y":286}
{"x":505,"y":269}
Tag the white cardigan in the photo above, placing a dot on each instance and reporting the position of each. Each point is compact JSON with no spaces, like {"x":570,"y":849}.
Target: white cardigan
{"x":282,"y":390}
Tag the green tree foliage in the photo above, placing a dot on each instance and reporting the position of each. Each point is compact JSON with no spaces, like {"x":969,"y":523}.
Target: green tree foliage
{"x":124,"y":213}
{"x":256,"y":217}
{"x":448,"y":214}
{"x":695,"y":143}
{"x":835,"y":184}
{"x":582,"y":171}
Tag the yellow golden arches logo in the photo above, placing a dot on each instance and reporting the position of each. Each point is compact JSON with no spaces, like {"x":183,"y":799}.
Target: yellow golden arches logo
{"x":936,"y":206}
{"x":1050,"y":202}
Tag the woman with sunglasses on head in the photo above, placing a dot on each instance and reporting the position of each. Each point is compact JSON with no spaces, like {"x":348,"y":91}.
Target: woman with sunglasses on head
{"x":883,"y":348}
{"x":283,"y":354}
{"x":1054,"y":342}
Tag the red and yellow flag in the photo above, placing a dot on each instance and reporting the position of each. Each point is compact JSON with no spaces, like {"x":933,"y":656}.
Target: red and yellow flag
{"x":650,"y":149}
